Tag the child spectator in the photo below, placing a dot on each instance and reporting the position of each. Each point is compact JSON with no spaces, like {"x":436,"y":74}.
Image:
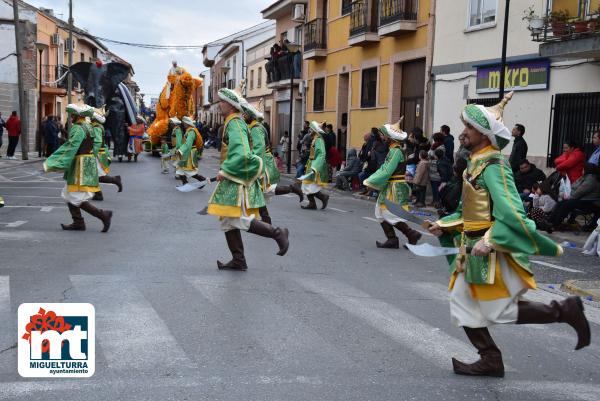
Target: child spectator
{"x":278,"y":162}
{"x":421,"y":179}
{"x":543,"y":203}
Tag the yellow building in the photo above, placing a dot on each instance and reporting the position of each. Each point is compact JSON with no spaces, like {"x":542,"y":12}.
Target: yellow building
{"x":366,"y":63}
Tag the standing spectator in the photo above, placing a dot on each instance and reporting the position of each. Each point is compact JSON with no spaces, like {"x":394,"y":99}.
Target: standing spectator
{"x":303,"y":132}
{"x":463,"y":152}
{"x":421,"y":179}
{"x":376,"y":157}
{"x":2,"y":125}
{"x":594,"y":158}
{"x":448,"y":143}
{"x":419,"y":142}
{"x":527,"y":175}
{"x":451,"y":192}
{"x":437,"y":143}
{"x":284,"y":142}
{"x":519,"y":149}
{"x":444,"y":166}
{"x":13,"y":126}
{"x":50,"y":130}
{"x":434,"y":176}
{"x":352,"y":168}
{"x":571,"y":162}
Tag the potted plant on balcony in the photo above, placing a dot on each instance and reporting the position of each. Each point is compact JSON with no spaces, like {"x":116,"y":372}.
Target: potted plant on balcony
{"x":594,"y":21}
{"x":536,"y":23}
{"x":558,"y":20}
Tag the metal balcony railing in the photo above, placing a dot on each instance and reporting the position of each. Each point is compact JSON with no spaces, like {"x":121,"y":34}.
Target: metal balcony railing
{"x":361,"y":21}
{"x":314,"y":34}
{"x":543,"y":29}
{"x":397,"y":10}
{"x":346,"y":7}
{"x":51,"y":73}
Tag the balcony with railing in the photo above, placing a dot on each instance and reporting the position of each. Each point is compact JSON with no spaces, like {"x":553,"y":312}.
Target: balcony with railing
{"x":54,"y":76}
{"x":397,"y":16}
{"x":280,"y":69}
{"x":315,"y":42}
{"x":363,"y":23}
{"x":564,"y":37}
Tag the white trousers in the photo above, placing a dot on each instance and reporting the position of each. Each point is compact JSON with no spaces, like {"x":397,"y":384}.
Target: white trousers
{"x":76,"y":198}
{"x":309,"y":189}
{"x":241,"y":223}
{"x":473,"y":313}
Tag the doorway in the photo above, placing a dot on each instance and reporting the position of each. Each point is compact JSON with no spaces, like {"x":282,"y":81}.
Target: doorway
{"x":412,"y":94}
{"x":342,"y":112}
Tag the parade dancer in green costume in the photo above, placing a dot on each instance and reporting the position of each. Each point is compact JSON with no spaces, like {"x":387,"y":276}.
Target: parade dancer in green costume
{"x":317,"y":175}
{"x":487,"y":284}
{"x":390,"y":183}
{"x":188,"y":152}
{"x":260,"y":144}
{"x":102,"y":157}
{"x":238,"y":195}
{"x":76,"y":158}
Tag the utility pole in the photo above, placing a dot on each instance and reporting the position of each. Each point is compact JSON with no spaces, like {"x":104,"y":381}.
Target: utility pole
{"x":504,"y":40}
{"x":22,"y":107}
{"x":69,"y":76}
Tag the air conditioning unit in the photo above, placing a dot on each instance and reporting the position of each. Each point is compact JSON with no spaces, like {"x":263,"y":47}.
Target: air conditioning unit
{"x":68,"y":45}
{"x":55,"y":41}
{"x":299,"y":14}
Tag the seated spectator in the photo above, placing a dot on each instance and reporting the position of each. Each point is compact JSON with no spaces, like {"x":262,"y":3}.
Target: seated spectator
{"x":527,"y":175}
{"x":542,"y":203}
{"x":352,"y":168}
{"x":421,"y":179}
{"x":585,"y":195}
{"x":595,"y":157}
{"x":278,"y":162}
{"x":451,"y":192}
{"x":570,"y":163}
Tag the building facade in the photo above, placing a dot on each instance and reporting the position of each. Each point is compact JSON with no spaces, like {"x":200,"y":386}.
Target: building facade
{"x":466,"y":69}
{"x":366,"y":64}
{"x":257,"y":91}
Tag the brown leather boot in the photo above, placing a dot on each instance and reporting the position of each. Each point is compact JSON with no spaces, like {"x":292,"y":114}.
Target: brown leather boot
{"x":312,"y":205}
{"x":569,"y":311}
{"x":116,"y":180}
{"x":104,"y":215}
{"x":413,"y":236}
{"x":392,"y":241}
{"x":490,"y":362}
{"x":236,"y":247}
{"x":286,"y":189}
{"x":324,"y":198}
{"x":280,"y":235}
{"x":78,"y":223}
{"x":264,"y":214}
{"x":98,"y":196}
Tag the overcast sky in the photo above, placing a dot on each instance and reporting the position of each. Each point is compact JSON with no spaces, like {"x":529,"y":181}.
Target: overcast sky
{"x":172,"y":22}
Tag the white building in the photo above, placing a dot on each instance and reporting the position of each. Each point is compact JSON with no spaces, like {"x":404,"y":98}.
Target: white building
{"x":467,"y":51}
{"x":227,"y":60}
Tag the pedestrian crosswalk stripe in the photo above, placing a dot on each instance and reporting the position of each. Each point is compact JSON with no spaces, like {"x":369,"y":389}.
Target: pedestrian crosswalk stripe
{"x":427,"y":341}
{"x":557,"y":267}
{"x":129,"y":331}
{"x":286,"y":338}
{"x":593,"y":314}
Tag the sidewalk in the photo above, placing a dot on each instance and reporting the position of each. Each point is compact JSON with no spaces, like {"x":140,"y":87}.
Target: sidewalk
{"x":33,"y":158}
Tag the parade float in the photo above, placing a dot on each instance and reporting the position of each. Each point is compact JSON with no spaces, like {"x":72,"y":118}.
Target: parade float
{"x":176,"y":100}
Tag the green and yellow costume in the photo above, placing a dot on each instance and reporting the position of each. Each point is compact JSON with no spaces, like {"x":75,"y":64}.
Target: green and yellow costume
{"x":317,"y":164}
{"x":188,"y":151}
{"x":239,"y":194}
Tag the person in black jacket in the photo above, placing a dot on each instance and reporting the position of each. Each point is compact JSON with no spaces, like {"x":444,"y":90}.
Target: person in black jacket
{"x":519,"y":149}
{"x":527,"y":175}
{"x":451,"y":192}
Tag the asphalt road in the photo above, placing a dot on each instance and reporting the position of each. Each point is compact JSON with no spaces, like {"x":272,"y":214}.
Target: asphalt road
{"x":334,"y":319}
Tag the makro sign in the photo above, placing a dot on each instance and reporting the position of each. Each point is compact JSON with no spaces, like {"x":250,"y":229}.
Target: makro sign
{"x":521,"y":76}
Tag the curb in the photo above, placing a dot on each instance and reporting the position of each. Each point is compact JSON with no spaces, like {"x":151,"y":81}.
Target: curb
{"x":572,"y":286}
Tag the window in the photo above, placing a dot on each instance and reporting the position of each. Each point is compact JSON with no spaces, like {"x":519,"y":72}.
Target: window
{"x":482,"y":12}
{"x":259,"y":83}
{"x":346,"y":6}
{"x":319,"y":95}
{"x":251,"y":79}
{"x":368,"y":97}
{"x":81,"y":57}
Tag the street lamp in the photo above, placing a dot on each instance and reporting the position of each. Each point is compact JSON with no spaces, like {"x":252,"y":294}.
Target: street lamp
{"x":40,"y":47}
{"x":292,"y":50}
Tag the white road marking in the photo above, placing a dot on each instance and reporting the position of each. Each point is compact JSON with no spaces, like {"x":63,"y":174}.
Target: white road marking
{"x":46,"y":209}
{"x":130,"y":332}
{"x":422,"y":232}
{"x":6,"y":315}
{"x":427,"y":341}
{"x":557,"y":267}
{"x":34,"y":207}
{"x":338,"y":210}
{"x":15,"y":224}
{"x":371,"y":219}
{"x":32,"y":196}
{"x":4,"y":188}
